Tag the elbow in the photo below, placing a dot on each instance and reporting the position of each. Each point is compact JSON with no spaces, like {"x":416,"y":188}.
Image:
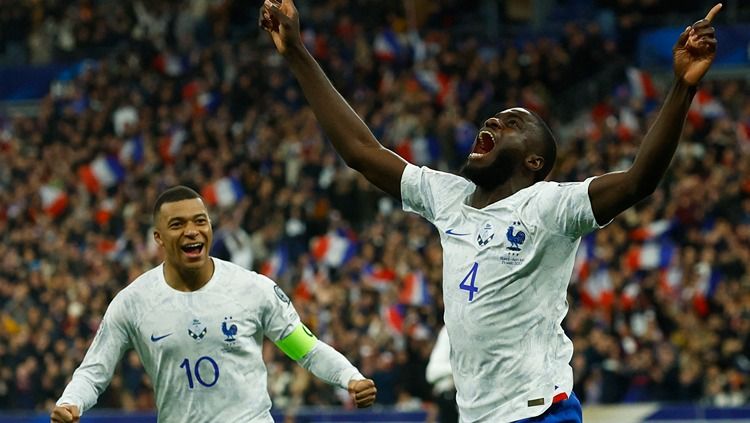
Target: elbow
{"x":354,"y":161}
{"x":643,"y":189}
{"x":640,"y":185}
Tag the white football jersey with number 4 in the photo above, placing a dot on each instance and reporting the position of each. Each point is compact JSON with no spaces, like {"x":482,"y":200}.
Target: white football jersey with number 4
{"x":506,"y":269}
{"x":202,"y":349}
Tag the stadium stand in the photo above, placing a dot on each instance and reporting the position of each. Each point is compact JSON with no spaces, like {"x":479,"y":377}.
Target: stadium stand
{"x":189,"y":92}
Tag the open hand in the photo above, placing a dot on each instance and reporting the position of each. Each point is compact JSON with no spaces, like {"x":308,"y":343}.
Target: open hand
{"x":65,"y":413}
{"x":696,"y":49}
{"x":362,"y":392}
{"x":281,"y":21}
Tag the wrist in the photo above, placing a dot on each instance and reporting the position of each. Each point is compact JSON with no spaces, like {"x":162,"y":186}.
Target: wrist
{"x":296,"y":52}
{"x":681,"y":87}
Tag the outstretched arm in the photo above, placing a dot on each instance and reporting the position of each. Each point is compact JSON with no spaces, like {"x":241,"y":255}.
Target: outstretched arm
{"x":327,"y":364}
{"x":349,"y":135}
{"x":615,"y":192}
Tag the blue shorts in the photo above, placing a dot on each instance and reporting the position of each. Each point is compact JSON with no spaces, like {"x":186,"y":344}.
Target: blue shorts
{"x":567,"y":411}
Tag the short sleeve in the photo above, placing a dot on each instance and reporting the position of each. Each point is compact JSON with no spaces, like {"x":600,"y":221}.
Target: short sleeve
{"x":426,"y":191}
{"x":566,"y":208}
{"x":280,"y":317}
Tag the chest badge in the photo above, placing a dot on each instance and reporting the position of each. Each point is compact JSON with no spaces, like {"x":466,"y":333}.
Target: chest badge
{"x":486,"y":233}
{"x":197,"y":330}
{"x":229,"y":329}
{"x":515,"y":238}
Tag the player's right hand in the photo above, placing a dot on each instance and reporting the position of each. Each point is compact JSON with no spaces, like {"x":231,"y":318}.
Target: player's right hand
{"x":281,"y":20}
{"x":65,"y":413}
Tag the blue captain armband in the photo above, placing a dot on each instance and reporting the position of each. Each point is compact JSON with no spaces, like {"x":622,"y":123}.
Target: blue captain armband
{"x":298,"y":343}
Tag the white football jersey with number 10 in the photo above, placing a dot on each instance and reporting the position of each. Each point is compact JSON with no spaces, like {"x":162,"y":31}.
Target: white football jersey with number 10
{"x":506,"y":269}
{"x":202,"y":349}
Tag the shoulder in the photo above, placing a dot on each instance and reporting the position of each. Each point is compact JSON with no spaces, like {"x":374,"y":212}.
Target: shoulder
{"x":552,"y":191}
{"x":426,"y":174}
{"x":142,"y":286}
{"x":244,"y":279}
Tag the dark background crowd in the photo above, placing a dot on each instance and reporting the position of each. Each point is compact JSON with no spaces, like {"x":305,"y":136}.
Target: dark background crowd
{"x":190,"y":92}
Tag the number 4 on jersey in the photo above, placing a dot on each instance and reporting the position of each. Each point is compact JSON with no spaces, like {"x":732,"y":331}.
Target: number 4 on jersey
{"x":470,"y":287}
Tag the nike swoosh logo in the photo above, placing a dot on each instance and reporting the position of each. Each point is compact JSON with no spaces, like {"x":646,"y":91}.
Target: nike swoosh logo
{"x":158,"y":338}
{"x":450,"y":232}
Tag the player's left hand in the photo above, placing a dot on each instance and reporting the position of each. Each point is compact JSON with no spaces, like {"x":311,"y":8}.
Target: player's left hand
{"x":362,"y":392}
{"x":696,"y":49}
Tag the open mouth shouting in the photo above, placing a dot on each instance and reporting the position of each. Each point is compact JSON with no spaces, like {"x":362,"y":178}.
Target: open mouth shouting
{"x":193,"y":249}
{"x":484,"y":143}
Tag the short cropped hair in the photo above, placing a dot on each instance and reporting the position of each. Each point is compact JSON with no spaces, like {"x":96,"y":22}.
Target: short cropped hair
{"x":171,"y":195}
{"x":549,"y":148}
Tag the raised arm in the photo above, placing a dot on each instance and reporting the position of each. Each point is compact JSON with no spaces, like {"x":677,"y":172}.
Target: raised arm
{"x":693,"y":54}
{"x":349,"y":135}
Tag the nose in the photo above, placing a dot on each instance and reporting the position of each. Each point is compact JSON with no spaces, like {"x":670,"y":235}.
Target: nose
{"x":191,"y":230}
{"x":493,"y":123}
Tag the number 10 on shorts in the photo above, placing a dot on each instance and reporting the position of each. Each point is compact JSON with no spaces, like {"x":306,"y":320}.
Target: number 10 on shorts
{"x":471,"y":277}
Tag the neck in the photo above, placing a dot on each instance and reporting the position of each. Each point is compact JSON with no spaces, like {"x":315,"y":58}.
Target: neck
{"x":188,"y":280}
{"x":484,"y":196}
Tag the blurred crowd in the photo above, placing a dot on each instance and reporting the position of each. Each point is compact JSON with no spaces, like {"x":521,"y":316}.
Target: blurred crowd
{"x":191,"y":93}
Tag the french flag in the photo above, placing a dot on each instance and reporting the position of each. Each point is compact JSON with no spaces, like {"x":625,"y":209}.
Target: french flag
{"x":584,"y":259}
{"x":628,"y":124}
{"x":652,"y":231}
{"x":105,"y":211}
{"x":629,"y":295}
{"x":207,"y":102}
{"x":54,"y":199}
{"x":387,"y":46}
{"x":393,"y":316}
{"x":704,"y":106}
{"x":438,"y":84}
{"x":171,"y":144}
{"x":132,"y":150}
{"x":641,"y":84}
{"x":308,"y":279}
{"x":378,"y":277}
{"x":650,"y":256}
{"x":170,"y":64}
{"x":334,"y":248}
{"x":276,"y":265}
{"x":670,"y":279}
{"x":414,"y":290}
{"x":224,"y":192}
{"x":597,"y":290}
{"x":708,"y":279}
{"x":103,"y":172}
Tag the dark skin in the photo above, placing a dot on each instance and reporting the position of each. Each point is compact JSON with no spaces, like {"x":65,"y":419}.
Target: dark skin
{"x":610,"y":194}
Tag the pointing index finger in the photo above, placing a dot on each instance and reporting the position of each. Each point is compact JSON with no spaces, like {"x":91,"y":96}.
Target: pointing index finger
{"x":714,"y":10}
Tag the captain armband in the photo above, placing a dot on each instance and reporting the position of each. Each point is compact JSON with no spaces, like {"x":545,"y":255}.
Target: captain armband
{"x":298,"y":343}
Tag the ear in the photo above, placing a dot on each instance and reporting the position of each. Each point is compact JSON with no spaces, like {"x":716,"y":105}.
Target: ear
{"x":158,"y":240}
{"x":534,"y":162}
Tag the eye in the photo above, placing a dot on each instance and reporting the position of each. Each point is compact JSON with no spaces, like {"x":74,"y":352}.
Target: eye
{"x":514,"y":123}
{"x":201,"y":221}
{"x":175,"y":225}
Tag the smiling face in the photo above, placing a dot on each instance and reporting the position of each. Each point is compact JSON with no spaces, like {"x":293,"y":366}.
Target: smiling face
{"x":183,"y":229}
{"x":508,"y":142}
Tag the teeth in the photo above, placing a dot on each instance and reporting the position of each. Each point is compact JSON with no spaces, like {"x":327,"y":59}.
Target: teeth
{"x":475,"y":155}
{"x":196,"y":245}
{"x":492,"y":137}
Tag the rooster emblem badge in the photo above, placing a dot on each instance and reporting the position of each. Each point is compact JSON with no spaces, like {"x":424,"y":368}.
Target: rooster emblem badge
{"x":515,"y":239}
{"x":229,"y":329}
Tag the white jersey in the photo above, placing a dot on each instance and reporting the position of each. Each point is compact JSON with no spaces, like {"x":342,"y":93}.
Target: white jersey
{"x":506,"y":269}
{"x":202,"y":349}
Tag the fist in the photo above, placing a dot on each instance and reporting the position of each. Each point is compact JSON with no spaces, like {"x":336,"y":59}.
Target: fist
{"x":362,"y":392}
{"x":65,"y":413}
